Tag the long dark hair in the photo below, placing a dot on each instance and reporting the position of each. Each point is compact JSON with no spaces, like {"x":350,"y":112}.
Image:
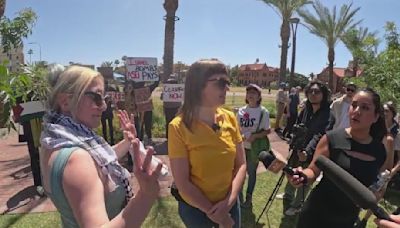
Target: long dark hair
{"x":196,"y":79}
{"x":325,"y":93}
{"x":378,"y":129}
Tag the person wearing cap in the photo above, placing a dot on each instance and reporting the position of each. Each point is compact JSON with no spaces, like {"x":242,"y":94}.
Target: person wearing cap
{"x":340,"y":108}
{"x":170,"y":107}
{"x":254,"y":124}
{"x":281,"y":101}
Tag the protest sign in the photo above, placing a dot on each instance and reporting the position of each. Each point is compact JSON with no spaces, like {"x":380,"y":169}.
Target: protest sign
{"x":141,"y":69}
{"x":116,"y":96}
{"x":143,"y":99}
{"x":173,"y":92}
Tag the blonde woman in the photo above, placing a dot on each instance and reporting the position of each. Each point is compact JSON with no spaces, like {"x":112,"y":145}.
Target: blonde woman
{"x":206,"y":150}
{"x":81,"y":172}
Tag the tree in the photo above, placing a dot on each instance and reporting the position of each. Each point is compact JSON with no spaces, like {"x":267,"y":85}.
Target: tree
{"x":2,"y":7}
{"x":330,"y":27}
{"x":362,"y":44}
{"x":13,"y":31}
{"x":116,"y":62}
{"x":170,"y":7}
{"x":285,"y":9}
{"x":383,"y":72}
{"x":107,"y":64}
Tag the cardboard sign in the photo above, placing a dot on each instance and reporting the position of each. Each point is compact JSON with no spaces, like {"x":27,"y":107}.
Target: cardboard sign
{"x":173,"y":92}
{"x":141,"y":69}
{"x":143,"y":99}
{"x":116,"y":96}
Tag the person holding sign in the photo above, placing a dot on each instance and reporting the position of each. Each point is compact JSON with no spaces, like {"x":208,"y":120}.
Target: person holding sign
{"x":172,"y":105}
{"x":81,"y":173}
{"x":206,"y":150}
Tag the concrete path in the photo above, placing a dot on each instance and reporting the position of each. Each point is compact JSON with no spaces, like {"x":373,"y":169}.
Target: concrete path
{"x":18,"y":195}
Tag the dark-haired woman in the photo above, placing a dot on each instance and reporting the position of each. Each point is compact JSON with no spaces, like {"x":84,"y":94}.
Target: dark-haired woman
{"x":357,"y":149}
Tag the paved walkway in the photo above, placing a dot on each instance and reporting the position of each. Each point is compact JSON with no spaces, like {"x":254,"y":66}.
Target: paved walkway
{"x":18,"y":195}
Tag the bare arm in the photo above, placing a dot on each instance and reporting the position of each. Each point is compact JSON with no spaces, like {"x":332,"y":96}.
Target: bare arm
{"x":389,"y":146}
{"x":180,"y":172}
{"x":121,"y":148}
{"x":86,"y":193}
{"x":239,"y":174}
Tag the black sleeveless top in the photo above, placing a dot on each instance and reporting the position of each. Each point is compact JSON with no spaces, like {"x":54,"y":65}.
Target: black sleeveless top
{"x":327,"y":206}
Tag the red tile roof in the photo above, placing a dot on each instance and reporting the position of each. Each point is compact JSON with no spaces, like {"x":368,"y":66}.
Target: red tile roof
{"x":255,"y":66}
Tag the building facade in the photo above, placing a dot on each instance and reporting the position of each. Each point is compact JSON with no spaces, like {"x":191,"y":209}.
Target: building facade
{"x":258,"y":73}
{"x":15,"y":58}
{"x":339,"y":73}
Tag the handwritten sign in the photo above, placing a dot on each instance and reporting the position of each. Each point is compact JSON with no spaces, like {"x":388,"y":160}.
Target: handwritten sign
{"x":173,"y":92}
{"x":143,"y":99}
{"x":116,"y":96}
{"x":141,"y":69}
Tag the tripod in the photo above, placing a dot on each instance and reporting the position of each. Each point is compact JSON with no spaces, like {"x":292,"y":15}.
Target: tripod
{"x":276,"y":190}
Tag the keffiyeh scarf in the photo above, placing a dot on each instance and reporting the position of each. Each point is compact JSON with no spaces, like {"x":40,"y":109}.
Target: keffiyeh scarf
{"x":60,"y":131}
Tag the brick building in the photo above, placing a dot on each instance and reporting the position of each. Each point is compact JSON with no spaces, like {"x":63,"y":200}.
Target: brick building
{"x":15,"y":58}
{"x":258,"y":73}
{"x":339,"y":73}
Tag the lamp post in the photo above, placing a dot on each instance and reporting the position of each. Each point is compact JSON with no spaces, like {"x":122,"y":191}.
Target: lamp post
{"x":40,"y":49}
{"x":293,"y":24}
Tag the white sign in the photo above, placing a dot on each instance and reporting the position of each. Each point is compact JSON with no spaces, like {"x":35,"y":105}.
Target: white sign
{"x":173,"y":92}
{"x":141,"y":69}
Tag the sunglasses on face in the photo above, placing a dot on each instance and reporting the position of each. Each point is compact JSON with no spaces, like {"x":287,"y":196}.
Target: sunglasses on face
{"x":350,"y":90}
{"x":97,"y":98}
{"x":314,"y":91}
{"x":221,"y":82}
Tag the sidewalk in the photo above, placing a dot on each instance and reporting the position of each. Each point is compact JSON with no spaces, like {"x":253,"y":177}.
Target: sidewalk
{"x":18,"y":195}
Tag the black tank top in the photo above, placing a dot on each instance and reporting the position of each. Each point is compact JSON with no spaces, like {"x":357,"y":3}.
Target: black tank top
{"x":327,"y":205}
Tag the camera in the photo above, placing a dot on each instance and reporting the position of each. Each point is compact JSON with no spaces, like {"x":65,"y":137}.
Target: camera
{"x":272,"y":161}
{"x":299,"y":134}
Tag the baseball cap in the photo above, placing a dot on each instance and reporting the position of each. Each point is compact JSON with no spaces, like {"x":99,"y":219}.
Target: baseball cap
{"x":254,"y":86}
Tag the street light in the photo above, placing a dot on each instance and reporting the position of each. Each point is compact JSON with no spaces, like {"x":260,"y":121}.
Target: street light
{"x":293,"y":24}
{"x":40,"y":49}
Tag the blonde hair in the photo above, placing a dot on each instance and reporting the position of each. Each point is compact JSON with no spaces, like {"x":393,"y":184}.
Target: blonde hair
{"x":74,"y":80}
{"x":196,"y":79}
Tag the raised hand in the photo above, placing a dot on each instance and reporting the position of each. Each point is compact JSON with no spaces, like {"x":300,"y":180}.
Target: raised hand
{"x":127,"y":122}
{"x":147,"y":176}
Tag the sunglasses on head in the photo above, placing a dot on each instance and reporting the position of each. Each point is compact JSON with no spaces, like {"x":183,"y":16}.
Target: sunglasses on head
{"x":221,"y":82}
{"x":350,"y":90}
{"x":314,"y":91}
{"x":97,"y":98}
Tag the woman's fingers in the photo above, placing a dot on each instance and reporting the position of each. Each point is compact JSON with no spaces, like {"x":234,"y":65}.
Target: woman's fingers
{"x":147,"y":160}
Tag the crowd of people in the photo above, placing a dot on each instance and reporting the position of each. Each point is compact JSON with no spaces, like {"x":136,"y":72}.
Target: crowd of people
{"x":211,"y":149}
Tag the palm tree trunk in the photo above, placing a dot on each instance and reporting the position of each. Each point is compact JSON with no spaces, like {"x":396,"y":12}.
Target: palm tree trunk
{"x":331,"y":59}
{"x":355,"y":67}
{"x":170,"y":6}
{"x":285,"y":34}
{"x":2,"y":7}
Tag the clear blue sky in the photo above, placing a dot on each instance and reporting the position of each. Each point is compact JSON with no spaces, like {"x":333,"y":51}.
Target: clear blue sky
{"x":235,"y":31}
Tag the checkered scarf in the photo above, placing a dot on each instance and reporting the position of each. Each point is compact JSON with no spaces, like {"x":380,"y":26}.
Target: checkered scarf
{"x":60,"y":131}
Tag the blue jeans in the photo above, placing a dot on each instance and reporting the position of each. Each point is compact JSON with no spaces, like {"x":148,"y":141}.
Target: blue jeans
{"x":193,"y":217}
{"x":251,"y":167}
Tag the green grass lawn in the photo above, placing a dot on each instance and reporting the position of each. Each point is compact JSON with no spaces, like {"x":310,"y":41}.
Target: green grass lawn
{"x":165,"y":211}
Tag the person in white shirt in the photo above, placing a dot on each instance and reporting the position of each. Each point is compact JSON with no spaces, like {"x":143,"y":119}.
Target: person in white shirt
{"x":340,"y":107}
{"x":254,"y":123}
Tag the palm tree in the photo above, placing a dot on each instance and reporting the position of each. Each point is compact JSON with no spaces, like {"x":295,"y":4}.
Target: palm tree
{"x":361,"y":43}
{"x":330,"y":27}
{"x":170,"y":7}
{"x":285,"y":9}
{"x":2,"y":7}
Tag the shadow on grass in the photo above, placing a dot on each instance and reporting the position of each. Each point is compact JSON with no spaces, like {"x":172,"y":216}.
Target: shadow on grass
{"x":27,"y":196}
